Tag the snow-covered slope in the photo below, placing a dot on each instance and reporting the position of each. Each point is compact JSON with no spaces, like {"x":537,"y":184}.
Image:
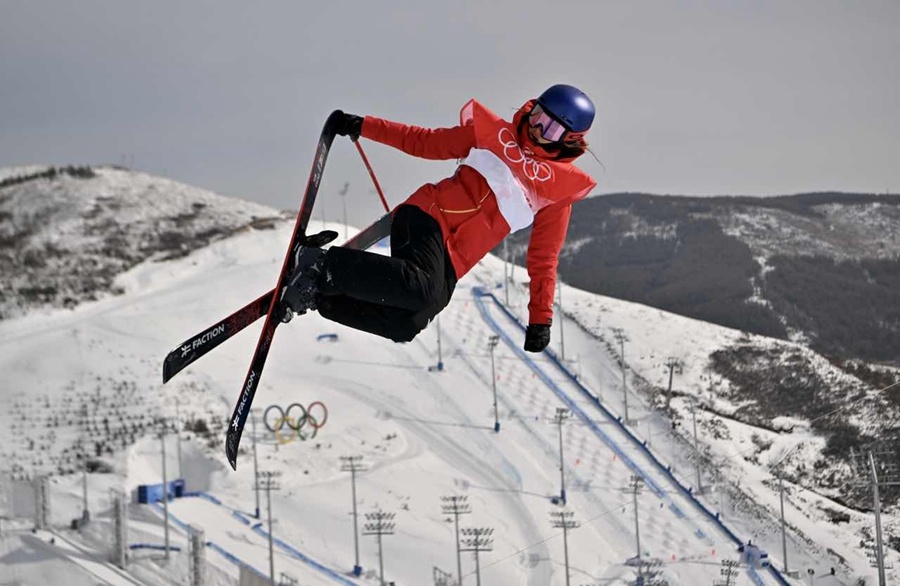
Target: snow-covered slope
{"x":66,"y":233}
{"x":87,"y":379}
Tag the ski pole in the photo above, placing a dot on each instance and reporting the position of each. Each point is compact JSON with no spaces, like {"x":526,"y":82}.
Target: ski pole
{"x":372,"y":174}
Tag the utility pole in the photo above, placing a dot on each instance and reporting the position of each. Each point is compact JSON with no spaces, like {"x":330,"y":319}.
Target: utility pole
{"x":269,"y":483}
{"x":696,"y":445}
{"x":165,"y":488}
{"x":343,"y":194}
{"x":492,"y":343}
{"x":563,"y":520}
{"x":562,"y":333}
{"x":253,"y":413}
{"x":477,"y":540}
{"x":380,"y":523}
{"x":621,"y":338}
{"x":456,"y":506}
{"x":561,"y":415}
{"x":353,"y":464}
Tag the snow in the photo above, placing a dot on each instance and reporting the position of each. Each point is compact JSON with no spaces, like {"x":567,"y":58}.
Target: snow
{"x":422,"y":434}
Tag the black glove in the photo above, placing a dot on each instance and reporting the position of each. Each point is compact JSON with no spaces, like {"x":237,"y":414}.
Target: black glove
{"x":537,"y":337}
{"x":348,"y":125}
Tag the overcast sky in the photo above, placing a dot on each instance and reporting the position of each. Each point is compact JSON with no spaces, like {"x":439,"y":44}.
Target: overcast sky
{"x":752,"y":97}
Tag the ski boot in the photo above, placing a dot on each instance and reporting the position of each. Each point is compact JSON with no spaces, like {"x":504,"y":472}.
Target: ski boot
{"x":299,"y":292}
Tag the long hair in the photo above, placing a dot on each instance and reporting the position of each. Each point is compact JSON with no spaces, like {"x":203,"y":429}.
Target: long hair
{"x":566,"y":151}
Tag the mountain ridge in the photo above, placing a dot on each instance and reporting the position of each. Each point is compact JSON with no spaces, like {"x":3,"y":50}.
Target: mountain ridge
{"x":792,"y":267}
{"x":67,"y":232}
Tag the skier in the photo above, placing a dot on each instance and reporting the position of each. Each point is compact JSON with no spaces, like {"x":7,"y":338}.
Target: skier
{"x":511,"y":175}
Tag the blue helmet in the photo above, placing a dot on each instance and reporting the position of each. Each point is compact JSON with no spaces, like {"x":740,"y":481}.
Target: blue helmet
{"x":569,"y":105}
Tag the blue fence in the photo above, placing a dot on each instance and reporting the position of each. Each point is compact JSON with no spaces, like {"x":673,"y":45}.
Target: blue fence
{"x":256,"y":526}
{"x":150,"y":493}
{"x":480,"y":294}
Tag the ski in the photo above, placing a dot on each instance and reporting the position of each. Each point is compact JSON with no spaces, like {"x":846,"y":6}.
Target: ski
{"x":251,"y":381}
{"x":200,"y":344}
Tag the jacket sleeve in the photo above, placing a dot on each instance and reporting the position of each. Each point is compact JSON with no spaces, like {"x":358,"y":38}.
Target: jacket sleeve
{"x":547,"y":237}
{"x":427,"y":143}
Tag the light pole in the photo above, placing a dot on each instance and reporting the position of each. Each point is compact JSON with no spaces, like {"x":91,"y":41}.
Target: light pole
{"x":728,"y":571}
{"x":178,"y":437}
{"x":506,"y":272}
{"x":269,"y":482}
{"x":343,"y":194}
{"x":85,"y":515}
{"x":380,"y":523}
{"x":783,"y":531}
{"x":440,"y":363}
{"x":776,"y":469}
{"x":492,"y":343}
{"x":696,"y":444}
{"x":878,"y":462}
{"x":561,"y":415}
{"x":562,"y":333}
{"x":879,"y":543}
{"x":353,"y":464}
{"x":253,"y":413}
{"x":622,"y":338}
{"x":634,"y":488}
{"x":456,"y":506}
{"x":477,"y":540}
{"x":674,"y":365}
{"x":165,"y":489}
{"x":563,"y":520}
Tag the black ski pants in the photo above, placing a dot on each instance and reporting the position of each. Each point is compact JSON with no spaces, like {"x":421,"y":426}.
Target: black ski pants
{"x":390,"y":296}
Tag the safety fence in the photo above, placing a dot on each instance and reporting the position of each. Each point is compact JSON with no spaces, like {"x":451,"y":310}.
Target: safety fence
{"x":256,"y":527}
{"x":480,"y":294}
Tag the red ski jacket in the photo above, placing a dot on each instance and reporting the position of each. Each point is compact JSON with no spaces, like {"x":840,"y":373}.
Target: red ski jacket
{"x":502,"y":185}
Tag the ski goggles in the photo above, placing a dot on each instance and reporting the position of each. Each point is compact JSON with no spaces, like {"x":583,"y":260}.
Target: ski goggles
{"x":551,"y":129}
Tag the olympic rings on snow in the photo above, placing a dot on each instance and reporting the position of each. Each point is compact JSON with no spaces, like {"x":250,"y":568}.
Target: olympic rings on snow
{"x":296,"y":417}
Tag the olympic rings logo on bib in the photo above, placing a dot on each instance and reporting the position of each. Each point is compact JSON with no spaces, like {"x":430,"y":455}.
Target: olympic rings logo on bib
{"x":296,"y":417}
{"x":533,"y":169}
